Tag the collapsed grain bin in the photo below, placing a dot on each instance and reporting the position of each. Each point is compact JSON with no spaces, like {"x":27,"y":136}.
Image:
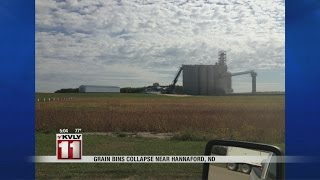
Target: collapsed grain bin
{"x":209,"y":79}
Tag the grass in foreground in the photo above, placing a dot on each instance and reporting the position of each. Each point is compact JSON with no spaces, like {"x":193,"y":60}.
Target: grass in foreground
{"x":105,"y":145}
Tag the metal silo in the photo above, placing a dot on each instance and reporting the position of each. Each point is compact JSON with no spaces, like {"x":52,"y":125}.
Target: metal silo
{"x":198,"y":79}
{"x":190,"y":79}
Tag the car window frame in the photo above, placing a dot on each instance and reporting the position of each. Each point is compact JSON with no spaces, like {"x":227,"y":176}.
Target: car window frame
{"x":244,"y":144}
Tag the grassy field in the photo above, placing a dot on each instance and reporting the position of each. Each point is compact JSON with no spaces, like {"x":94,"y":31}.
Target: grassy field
{"x":250,"y":118}
{"x":105,"y":145}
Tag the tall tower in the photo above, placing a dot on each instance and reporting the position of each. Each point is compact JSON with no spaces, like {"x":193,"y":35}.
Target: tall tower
{"x":222,"y":57}
{"x":222,"y":77}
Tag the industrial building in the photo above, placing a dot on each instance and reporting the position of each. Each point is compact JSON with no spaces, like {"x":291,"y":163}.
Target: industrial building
{"x":209,"y":79}
{"x":100,"y":89}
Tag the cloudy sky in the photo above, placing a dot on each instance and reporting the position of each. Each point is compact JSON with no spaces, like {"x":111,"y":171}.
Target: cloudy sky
{"x":132,"y":43}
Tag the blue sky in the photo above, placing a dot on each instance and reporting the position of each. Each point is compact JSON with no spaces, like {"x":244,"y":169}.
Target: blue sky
{"x":135,"y":43}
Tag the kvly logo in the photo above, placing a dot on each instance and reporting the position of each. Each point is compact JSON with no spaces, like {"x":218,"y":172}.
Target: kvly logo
{"x":69,"y":146}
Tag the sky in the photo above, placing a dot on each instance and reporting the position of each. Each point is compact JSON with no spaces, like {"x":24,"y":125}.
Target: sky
{"x":134,"y":43}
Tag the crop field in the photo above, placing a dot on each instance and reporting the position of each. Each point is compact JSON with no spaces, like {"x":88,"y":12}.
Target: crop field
{"x":250,"y":118}
{"x":192,"y":119}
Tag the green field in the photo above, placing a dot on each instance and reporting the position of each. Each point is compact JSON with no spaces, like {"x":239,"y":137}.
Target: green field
{"x":192,"y":120}
{"x":105,"y":145}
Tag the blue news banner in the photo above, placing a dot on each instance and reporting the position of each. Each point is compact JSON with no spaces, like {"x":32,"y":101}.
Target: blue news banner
{"x":17,"y":88}
{"x":302,"y":87}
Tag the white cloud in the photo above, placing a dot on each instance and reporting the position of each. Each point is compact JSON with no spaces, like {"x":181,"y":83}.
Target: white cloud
{"x":105,"y":40}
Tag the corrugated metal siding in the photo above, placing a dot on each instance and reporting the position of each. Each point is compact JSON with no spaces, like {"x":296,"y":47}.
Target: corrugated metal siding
{"x":203,"y":80}
{"x":190,"y":79}
{"x":198,"y":79}
{"x":211,"y":85}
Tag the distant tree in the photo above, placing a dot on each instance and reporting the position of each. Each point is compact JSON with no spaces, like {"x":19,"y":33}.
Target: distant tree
{"x":68,"y":90}
{"x":219,"y":150}
{"x":133,"y":90}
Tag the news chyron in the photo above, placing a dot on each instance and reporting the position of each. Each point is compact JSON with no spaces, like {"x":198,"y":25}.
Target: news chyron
{"x":69,"y":145}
